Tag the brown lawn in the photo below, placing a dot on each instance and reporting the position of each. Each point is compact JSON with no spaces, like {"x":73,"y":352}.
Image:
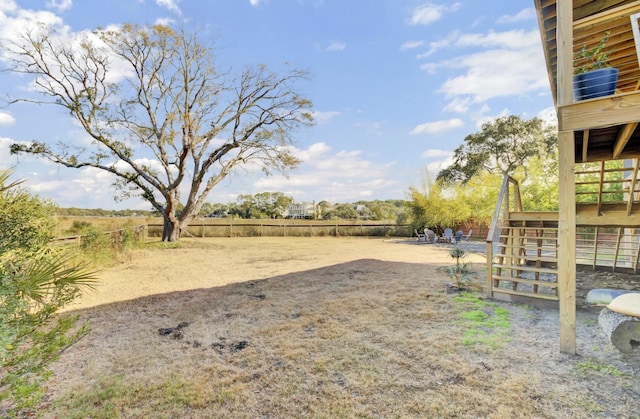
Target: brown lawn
{"x":323,"y":327}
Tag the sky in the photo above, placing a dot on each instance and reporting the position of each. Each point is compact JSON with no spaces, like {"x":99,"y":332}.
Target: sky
{"x":396,"y":86}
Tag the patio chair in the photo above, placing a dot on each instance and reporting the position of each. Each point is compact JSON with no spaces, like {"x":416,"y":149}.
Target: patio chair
{"x":466,"y":236}
{"x":430,"y":235}
{"x":458,"y":237}
{"x":448,"y":235}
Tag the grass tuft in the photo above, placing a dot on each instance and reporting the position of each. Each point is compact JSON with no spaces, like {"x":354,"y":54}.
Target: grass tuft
{"x":485,"y":323}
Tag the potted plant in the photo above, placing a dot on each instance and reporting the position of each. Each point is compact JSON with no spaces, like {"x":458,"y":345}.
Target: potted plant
{"x":593,"y":77}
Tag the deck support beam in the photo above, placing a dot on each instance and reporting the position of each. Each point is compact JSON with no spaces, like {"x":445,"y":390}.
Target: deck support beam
{"x":567,"y":186}
{"x":567,"y":244}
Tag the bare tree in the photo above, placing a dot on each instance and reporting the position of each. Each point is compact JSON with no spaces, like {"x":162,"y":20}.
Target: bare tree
{"x":162,"y":119}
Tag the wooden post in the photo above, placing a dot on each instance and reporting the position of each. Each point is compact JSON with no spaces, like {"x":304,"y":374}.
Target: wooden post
{"x":567,"y":243}
{"x":489,"y":290}
{"x":567,"y":186}
{"x":617,"y":254}
{"x":595,"y":248}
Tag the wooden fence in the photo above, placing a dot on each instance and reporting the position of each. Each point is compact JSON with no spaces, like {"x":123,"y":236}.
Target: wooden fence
{"x":284,"y":229}
{"x":117,"y":236}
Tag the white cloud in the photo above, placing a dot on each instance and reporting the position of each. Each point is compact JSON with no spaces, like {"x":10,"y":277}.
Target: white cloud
{"x":59,"y":5}
{"x":6,"y":119}
{"x":411,"y":45}
{"x":436,"y":154}
{"x":431,"y":68}
{"x":440,"y":44}
{"x":458,"y":105}
{"x":549,"y":116}
{"x":8,"y":6}
{"x":509,"y":63}
{"x":70,"y":186}
{"x":373,"y":127}
{"x":171,"y":5}
{"x":497,"y":73}
{"x":315,"y":151}
{"x":164,"y":21}
{"x":336,"y":46}
{"x":437,"y":126}
{"x":324,"y":117}
{"x":436,"y":166}
{"x":14,"y":22}
{"x":516,"y":40}
{"x":5,"y":155}
{"x":429,"y":13}
{"x":254,"y":3}
{"x":335,"y":176}
{"x":524,"y":14}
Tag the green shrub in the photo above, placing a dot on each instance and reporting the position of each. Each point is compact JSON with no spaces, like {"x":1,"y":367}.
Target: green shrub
{"x":79,"y":226}
{"x":35,"y":282}
{"x":460,"y":273}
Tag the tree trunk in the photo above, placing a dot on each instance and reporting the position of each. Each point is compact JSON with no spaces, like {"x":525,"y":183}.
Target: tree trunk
{"x":171,"y":231}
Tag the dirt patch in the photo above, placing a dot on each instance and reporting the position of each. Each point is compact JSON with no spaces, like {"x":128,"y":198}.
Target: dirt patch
{"x":324,"y":327}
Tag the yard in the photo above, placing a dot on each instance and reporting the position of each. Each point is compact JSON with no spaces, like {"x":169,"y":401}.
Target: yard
{"x":323,"y":327}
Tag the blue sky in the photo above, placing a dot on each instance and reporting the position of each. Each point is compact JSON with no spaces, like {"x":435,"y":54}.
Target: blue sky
{"x":396,"y":86}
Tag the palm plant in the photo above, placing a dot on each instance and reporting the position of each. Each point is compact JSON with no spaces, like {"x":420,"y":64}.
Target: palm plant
{"x":36,"y":281}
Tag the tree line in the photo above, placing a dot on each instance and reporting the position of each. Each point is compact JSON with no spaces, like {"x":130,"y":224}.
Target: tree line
{"x":267,"y":205}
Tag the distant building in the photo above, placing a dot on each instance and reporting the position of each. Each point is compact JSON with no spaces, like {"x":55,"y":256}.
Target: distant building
{"x":302,"y":210}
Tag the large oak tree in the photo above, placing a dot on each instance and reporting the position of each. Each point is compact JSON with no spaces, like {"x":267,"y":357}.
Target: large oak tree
{"x":161,"y":117}
{"x":502,"y":146}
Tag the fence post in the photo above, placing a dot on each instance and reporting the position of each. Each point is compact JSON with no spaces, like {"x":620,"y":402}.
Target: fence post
{"x":489,"y":291}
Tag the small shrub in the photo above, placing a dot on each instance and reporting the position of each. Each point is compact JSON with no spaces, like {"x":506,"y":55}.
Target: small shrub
{"x":460,"y":273}
{"x":96,"y":246}
{"x":79,"y":226}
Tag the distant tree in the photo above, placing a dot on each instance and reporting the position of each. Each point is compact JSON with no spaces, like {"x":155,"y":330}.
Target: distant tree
{"x":478,"y":197}
{"x":539,"y":185}
{"x":245,"y":207}
{"x":272,"y":204}
{"x":384,"y":210}
{"x":220,"y":210}
{"x":207,"y":209}
{"x":36,"y":281}
{"x":436,"y":206}
{"x":502,"y":146}
{"x":323,"y":208}
{"x":439,"y":205}
{"x":162,"y":119}
{"x":344,"y":211}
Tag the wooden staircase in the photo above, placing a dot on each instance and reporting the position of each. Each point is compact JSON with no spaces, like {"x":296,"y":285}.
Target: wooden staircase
{"x":522,"y":246}
{"x":526,"y":257}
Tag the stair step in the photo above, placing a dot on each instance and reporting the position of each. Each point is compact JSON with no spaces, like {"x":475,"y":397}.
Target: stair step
{"x":527,"y":269}
{"x":531,"y":259}
{"x":526,"y":281}
{"x":527,"y":294}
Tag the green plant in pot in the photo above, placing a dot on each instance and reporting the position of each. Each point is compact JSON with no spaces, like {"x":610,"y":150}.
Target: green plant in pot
{"x":593,"y":77}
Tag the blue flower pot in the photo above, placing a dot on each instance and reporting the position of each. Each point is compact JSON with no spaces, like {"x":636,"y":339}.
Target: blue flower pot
{"x":595,"y":83}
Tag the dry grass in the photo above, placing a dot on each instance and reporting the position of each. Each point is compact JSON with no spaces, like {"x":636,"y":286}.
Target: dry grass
{"x":284,"y":327}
